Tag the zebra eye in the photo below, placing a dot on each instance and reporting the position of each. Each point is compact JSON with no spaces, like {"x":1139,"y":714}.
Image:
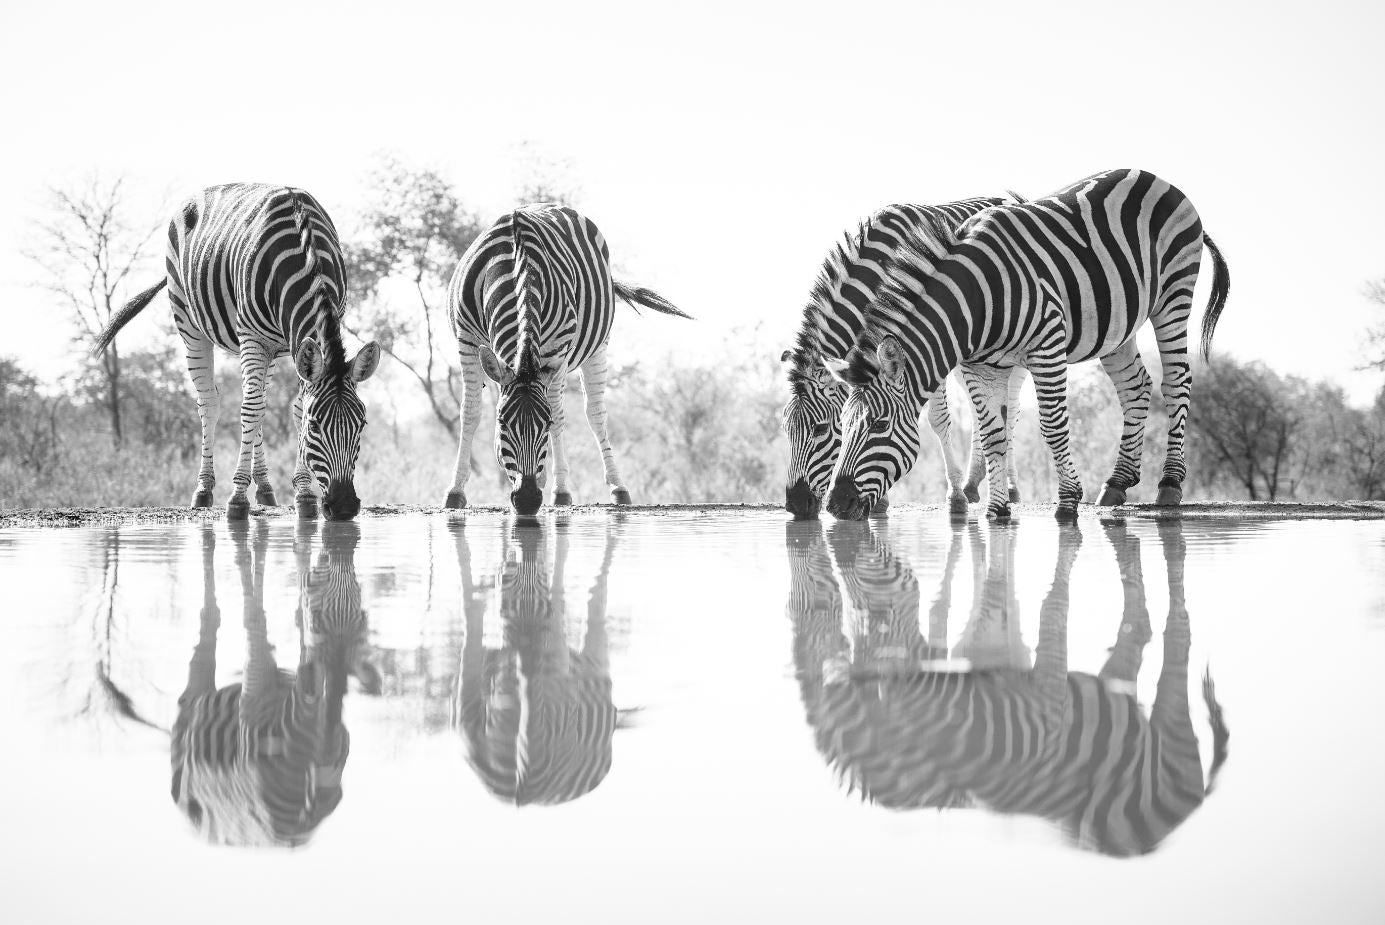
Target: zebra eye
{"x":879,"y":425}
{"x":821,"y":429}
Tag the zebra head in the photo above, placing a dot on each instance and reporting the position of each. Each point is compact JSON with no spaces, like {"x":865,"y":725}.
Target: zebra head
{"x":811,"y":420}
{"x":879,"y":424}
{"x":522,"y":422}
{"x":332,"y":420}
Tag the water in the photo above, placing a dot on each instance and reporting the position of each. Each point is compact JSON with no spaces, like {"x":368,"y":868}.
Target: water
{"x":675,"y":718}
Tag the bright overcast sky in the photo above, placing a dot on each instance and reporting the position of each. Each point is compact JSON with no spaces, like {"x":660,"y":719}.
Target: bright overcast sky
{"x":722,"y":148}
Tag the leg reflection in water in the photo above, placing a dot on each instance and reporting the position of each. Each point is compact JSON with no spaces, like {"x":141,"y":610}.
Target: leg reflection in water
{"x":260,"y":762}
{"x":1036,"y":740}
{"x":535,"y":715}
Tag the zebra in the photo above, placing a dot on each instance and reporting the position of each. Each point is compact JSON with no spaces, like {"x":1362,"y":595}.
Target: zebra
{"x":532,"y":300}
{"x":536,"y":717}
{"x":1042,"y":284}
{"x":260,"y":762}
{"x":832,"y":320}
{"x":257,"y":270}
{"x":1017,"y":738}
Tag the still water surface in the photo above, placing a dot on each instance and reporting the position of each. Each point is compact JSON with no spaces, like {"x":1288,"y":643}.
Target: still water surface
{"x":672,"y":718}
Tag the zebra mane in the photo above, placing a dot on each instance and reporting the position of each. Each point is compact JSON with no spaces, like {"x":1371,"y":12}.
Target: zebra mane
{"x":327,"y":326}
{"x":822,"y":303}
{"x":528,"y":321}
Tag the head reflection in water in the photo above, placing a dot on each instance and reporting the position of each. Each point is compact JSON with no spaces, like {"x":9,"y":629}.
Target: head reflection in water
{"x":260,"y":762}
{"x":535,"y":714}
{"x":1002,"y":733}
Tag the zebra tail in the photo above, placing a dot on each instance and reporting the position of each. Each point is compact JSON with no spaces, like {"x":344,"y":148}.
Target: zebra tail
{"x":638,"y":295}
{"x":1221,"y":285}
{"x":1220,"y":734}
{"x":122,"y":317}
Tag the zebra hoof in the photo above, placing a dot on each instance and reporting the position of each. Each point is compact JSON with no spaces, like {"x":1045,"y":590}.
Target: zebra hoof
{"x":1066,"y":512}
{"x":971,"y":493}
{"x":957,"y":503}
{"x":1169,"y":496}
{"x":203,"y":498}
{"x":237,"y":510}
{"x":999,"y":513}
{"x":881,"y":508}
{"x":307,"y":508}
{"x":1014,"y":496}
{"x":456,"y":500}
{"x":1112,"y":497}
{"x":564,"y":499}
{"x":620,"y":496}
{"x":266,"y":497}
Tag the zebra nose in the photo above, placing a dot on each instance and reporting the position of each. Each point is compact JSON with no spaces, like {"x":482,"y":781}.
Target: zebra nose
{"x":528,"y":497}
{"x":800,"y":501}
{"x":340,"y":501}
{"x":845,"y":501}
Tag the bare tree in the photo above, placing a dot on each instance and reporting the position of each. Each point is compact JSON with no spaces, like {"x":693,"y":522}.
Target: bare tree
{"x":1247,"y":426}
{"x":412,"y":236}
{"x":1374,"y":347}
{"x":87,"y":247}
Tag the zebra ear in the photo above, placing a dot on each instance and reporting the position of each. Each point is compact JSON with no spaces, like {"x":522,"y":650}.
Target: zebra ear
{"x":891,"y":359}
{"x":364,"y":363}
{"x":497,"y":370}
{"x":308,"y":360}
{"x":836,"y":369}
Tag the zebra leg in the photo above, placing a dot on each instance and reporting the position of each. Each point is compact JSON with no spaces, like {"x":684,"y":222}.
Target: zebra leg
{"x":259,"y":470}
{"x":594,"y":373}
{"x":1132,"y":382}
{"x":472,"y":383}
{"x":940,"y":419}
{"x":1123,"y":665}
{"x":254,"y":363}
{"x":201,"y":361}
{"x":976,"y":463}
{"x":988,"y":403}
{"x":304,"y":495}
{"x":1049,"y":366}
{"x":562,"y":494}
{"x":1177,"y":389}
{"x":1012,"y":404}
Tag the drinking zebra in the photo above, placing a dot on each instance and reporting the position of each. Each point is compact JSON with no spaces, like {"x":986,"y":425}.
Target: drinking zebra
{"x":260,"y":762}
{"x":832,"y":321}
{"x":532,"y":300}
{"x":257,"y":270}
{"x":536,"y":716}
{"x":1042,"y":284}
{"x":1038,"y":740}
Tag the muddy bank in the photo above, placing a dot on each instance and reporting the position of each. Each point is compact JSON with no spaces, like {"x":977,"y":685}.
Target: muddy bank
{"x":1211,"y":510}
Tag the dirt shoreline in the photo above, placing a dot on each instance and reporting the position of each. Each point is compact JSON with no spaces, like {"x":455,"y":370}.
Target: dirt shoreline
{"x":1214,"y":510}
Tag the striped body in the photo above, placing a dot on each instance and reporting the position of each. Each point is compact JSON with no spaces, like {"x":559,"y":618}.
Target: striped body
{"x":532,"y":300}
{"x":1069,"y":747}
{"x":257,"y":270}
{"x":536,"y":716}
{"x":1042,"y":284}
{"x":260,"y":762}
{"x":832,"y":321}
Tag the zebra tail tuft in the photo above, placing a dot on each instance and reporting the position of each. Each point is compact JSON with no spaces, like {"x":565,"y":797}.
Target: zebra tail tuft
{"x":1220,"y":734}
{"x":638,"y":295}
{"x":122,"y":317}
{"x":1221,"y":285}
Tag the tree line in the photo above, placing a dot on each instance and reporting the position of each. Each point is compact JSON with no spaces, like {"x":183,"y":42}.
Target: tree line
{"x":121,"y":429}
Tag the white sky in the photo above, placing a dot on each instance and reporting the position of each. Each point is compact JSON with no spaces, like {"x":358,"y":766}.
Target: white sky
{"x":722,"y":147}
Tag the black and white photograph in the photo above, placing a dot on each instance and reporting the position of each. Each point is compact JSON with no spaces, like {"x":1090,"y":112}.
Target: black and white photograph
{"x":627,"y":462}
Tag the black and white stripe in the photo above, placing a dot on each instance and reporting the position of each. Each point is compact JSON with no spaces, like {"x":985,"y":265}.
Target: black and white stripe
{"x":532,"y":300}
{"x":832,"y":321}
{"x":536,"y":716}
{"x":257,"y":270}
{"x":260,"y":762}
{"x":1014,"y":738}
{"x":1041,"y":284}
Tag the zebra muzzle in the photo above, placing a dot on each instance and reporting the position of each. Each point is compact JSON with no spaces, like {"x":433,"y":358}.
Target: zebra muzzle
{"x":340,"y":501}
{"x":845,"y":501}
{"x":800,"y":501}
{"x":528,"y":497}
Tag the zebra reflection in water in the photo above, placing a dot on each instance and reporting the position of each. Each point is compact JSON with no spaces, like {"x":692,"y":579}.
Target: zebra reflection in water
{"x":536,"y":716}
{"x":1017,"y":739}
{"x":260,"y":762}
